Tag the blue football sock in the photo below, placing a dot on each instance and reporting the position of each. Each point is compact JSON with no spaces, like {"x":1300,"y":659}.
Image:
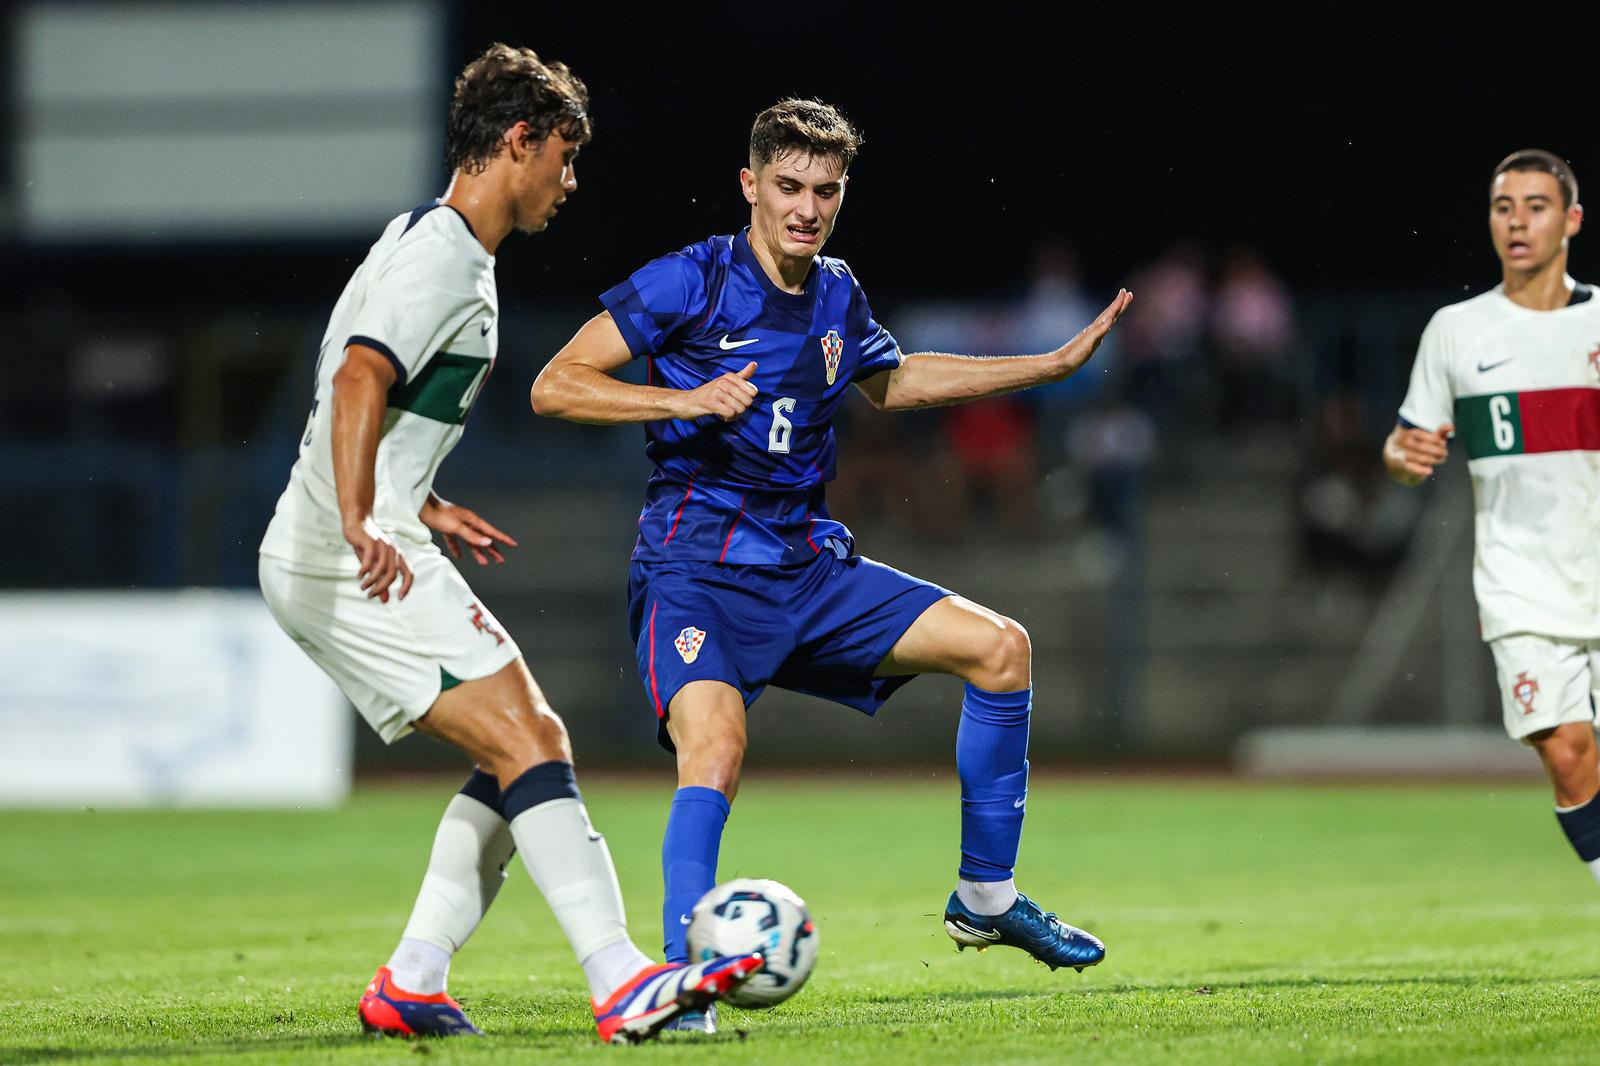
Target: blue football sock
{"x":689,"y":860}
{"x":992,"y":762}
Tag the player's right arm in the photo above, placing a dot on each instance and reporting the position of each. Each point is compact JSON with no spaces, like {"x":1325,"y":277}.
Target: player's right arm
{"x":580,"y":385}
{"x":360,"y":397}
{"x":1410,"y":454}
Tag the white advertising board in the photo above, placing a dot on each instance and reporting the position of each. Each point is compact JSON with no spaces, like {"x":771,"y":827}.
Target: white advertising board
{"x":219,"y":120}
{"x":185,"y":698}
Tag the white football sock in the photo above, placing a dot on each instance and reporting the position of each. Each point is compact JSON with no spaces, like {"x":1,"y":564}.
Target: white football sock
{"x":1594,"y":868}
{"x":420,"y":967}
{"x":465,"y":871}
{"x":987,"y":897}
{"x":612,"y":967}
{"x":571,"y":864}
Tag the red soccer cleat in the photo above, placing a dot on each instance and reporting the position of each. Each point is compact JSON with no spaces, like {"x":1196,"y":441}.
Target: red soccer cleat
{"x":658,"y":994}
{"x":391,"y":1011}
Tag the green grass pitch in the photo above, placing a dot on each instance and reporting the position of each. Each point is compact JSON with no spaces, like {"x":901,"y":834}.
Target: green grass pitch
{"x":1244,"y":923}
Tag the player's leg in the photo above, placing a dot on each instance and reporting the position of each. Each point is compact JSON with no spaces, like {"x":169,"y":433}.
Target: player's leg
{"x":707,"y":729}
{"x":505,"y":724}
{"x":707,"y":726}
{"x":993,"y":655}
{"x":707,"y":639}
{"x":466,"y":868}
{"x":1548,"y":690}
{"x":393,"y":660}
{"x":1569,"y":757}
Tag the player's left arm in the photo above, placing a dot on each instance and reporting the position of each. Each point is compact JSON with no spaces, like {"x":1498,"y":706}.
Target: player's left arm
{"x":932,"y":379}
{"x":459,"y":525}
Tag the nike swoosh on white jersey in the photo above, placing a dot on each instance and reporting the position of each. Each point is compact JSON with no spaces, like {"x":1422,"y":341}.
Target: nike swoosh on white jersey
{"x":1484,"y":368}
{"x":728,"y":345}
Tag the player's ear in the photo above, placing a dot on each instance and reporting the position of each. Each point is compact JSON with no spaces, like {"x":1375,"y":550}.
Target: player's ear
{"x":1574,"y":219}
{"x":747,"y":182}
{"x":520,"y":142}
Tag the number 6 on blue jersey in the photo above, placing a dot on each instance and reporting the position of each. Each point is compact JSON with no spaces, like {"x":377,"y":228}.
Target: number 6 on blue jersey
{"x":778,"y":437}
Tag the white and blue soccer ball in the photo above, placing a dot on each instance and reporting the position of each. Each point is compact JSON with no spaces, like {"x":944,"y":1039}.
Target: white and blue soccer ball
{"x":748,"y":915}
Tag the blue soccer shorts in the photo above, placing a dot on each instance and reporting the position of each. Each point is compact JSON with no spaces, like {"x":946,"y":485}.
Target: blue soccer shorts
{"x":820,"y":628}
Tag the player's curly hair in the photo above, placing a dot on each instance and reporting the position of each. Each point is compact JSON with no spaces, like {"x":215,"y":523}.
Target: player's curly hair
{"x":505,"y":86}
{"x":810,"y":126}
{"x":1545,"y":163}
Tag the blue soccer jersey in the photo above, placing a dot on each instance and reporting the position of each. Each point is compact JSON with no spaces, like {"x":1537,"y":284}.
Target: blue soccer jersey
{"x":751,"y":490}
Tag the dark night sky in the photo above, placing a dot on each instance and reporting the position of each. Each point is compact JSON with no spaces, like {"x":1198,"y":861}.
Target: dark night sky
{"x":1351,"y":145}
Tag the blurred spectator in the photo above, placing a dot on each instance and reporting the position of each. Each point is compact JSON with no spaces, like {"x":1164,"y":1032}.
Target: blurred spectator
{"x":1351,"y":514}
{"x":996,"y":452}
{"x":1114,"y":445}
{"x":1162,"y":339}
{"x":1053,"y":310}
{"x":1252,"y":332}
{"x":893,"y":468}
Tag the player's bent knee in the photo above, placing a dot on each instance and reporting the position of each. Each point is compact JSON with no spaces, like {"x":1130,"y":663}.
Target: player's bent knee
{"x":1570,"y":759}
{"x":1008,"y":663}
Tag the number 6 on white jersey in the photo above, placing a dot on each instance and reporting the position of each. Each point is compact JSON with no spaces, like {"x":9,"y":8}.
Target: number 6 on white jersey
{"x":1505,"y":434}
{"x":778,"y":437}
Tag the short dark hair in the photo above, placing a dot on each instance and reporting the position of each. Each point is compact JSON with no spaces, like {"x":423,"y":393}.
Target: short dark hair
{"x":505,"y":86}
{"x":810,"y":126}
{"x":1545,"y":163}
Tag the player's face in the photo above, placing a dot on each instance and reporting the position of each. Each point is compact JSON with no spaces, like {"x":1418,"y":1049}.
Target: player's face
{"x":545,"y":175}
{"x":794,"y":201}
{"x":1527,"y":222}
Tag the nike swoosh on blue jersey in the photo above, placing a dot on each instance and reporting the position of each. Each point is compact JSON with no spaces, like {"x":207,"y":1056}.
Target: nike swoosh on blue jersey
{"x":1485,"y":368}
{"x":728,"y":345}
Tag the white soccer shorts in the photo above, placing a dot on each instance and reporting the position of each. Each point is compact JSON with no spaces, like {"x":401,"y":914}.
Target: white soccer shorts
{"x":391,"y":659}
{"x":1545,"y":681}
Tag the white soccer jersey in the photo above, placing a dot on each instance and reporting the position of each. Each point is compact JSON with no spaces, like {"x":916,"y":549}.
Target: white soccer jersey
{"x":1523,"y":391}
{"x":425,"y":298}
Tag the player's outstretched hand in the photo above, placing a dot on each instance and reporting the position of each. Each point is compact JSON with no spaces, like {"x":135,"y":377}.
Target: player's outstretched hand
{"x":458,"y":525}
{"x":1077,"y":351}
{"x":1410,"y":454}
{"x":727,"y":397}
{"x":381,"y":561}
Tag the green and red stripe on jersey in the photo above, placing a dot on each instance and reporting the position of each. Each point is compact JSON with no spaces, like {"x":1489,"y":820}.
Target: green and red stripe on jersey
{"x":1526,"y":423}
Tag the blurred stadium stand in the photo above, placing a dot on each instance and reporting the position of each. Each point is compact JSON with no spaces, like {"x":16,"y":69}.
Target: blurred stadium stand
{"x":1218,"y":600}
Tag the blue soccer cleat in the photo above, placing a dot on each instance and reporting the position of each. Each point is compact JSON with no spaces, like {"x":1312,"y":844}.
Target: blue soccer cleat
{"x":694,"y":1021}
{"x":392,"y":1011}
{"x":1039,"y":933}
{"x":658,"y":994}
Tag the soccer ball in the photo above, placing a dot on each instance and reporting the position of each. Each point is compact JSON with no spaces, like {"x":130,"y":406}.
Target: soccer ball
{"x":748,"y":915}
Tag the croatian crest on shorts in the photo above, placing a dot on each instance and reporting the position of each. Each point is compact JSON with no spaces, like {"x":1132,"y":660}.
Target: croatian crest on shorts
{"x":1524,"y":691}
{"x":688,"y":643}
{"x":481,"y":624}
{"x":832,"y":350}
